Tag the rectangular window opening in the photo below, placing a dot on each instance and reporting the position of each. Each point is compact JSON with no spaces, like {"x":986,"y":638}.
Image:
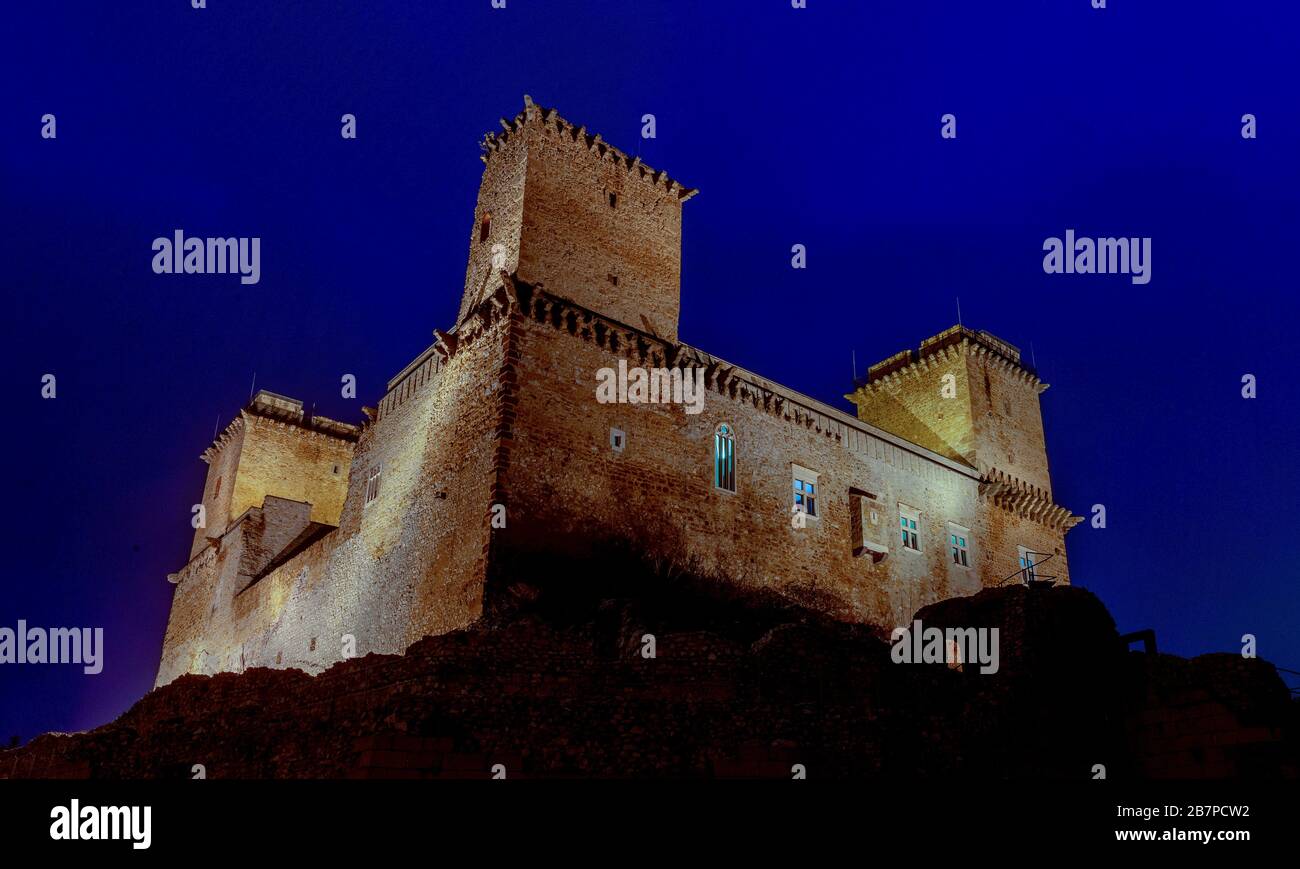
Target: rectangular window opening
{"x":909,"y":520}
{"x":805,"y":490}
{"x":959,"y":545}
{"x":1028,"y":558}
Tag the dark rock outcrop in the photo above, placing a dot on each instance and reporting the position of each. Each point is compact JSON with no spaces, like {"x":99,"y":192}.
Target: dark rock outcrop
{"x":740,"y":686}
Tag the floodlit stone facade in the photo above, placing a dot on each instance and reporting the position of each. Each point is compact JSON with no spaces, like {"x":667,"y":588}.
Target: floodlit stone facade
{"x":323,"y":539}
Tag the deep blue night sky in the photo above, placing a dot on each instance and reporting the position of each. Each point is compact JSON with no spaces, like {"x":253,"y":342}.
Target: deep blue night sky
{"x":816,"y":126}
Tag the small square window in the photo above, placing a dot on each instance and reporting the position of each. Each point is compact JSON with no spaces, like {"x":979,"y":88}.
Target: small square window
{"x":617,"y":439}
{"x":909,"y":521}
{"x":805,"y":490}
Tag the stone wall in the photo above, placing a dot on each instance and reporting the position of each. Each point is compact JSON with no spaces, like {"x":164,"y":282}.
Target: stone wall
{"x":966,"y":395}
{"x":569,"y":488}
{"x":259,"y":456}
{"x":408,"y":563}
{"x":582,"y":218}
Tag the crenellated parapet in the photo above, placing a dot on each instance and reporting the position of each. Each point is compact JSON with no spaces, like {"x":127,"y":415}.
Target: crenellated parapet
{"x":640,"y":348}
{"x":200,"y":563}
{"x":269,"y":410}
{"x":942,"y":349}
{"x":578,"y":135}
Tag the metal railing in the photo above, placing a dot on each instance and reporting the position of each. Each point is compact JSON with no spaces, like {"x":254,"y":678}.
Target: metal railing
{"x":1029,"y":573}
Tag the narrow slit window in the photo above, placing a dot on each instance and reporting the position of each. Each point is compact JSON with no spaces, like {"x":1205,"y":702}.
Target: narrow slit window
{"x":484,"y":228}
{"x":613,"y":200}
{"x":372,"y":484}
{"x":724,"y":458}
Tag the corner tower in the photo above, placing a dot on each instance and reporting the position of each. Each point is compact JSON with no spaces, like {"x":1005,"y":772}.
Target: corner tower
{"x":564,"y":209}
{"x":274,"y":449}
{"x":966,"y":395}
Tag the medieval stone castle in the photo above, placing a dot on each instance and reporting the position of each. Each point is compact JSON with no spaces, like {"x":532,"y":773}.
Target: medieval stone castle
{"x":490,"y":447}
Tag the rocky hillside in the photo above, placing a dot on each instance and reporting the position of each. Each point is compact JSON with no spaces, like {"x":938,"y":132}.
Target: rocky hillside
{"x":557,"y":684}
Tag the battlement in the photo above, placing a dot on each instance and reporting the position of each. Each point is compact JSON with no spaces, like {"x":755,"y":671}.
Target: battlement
{"x":965,"y":394}
{"x":949,"y":341}
{"x":600,"y":149}
{"x":274,"y":448}
{"x":563,"y":208}
{"x":273,"y":407}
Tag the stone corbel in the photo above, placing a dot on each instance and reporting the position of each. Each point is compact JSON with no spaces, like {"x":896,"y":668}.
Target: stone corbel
{"x":444,"y":344}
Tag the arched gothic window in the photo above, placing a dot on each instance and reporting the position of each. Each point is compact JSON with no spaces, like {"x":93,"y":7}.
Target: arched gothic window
{"x":724,"y":458}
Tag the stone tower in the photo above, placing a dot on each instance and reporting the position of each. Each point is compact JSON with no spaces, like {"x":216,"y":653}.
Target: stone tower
{"x":965,"y":395}
{"x":272,"y":448}
{"x":563,"y":209}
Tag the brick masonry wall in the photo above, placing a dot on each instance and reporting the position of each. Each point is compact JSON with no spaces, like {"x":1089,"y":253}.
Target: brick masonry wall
{"x":912,"y":405}
{"x":569,"y":488}
{"x":1008,"y":422}
{"x":500,"y":199}
{"x":293,"y":463}
{"x":217,"y":496}
{"x":622,"y":260}
{"x":992,"y":419}
{"x":267,"y":457}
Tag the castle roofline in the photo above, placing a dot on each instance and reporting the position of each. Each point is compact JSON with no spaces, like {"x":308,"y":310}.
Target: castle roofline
{"x":955,"y":339}
{"x":516,"y":293}
{"x":534,"y":113}
{"x":835,"y":414}
{"x":280,"y":409}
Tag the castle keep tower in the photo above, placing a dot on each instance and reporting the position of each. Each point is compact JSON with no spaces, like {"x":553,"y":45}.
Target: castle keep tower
{"x":563,"y":209}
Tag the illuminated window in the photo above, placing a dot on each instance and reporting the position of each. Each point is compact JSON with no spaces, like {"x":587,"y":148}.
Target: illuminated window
{"x":372,"y":484}
{"x":805,"y":490}
{"x":908,"y":520}
{"x":1028,"y":558}
{"x":959,"y":544}
{"x":724,"y":458}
